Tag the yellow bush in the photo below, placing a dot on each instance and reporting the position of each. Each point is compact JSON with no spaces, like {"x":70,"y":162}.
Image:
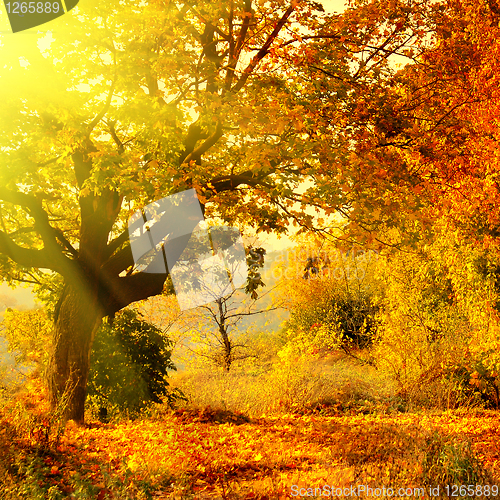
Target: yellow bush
{"x":435,"y":323}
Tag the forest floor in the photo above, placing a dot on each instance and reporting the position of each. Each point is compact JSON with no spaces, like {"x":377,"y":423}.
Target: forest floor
{"x":215,"y":454}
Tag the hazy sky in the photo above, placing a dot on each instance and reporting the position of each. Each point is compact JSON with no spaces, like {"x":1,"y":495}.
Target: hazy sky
{"x":331,"y":6}
{"x":19,"y":298}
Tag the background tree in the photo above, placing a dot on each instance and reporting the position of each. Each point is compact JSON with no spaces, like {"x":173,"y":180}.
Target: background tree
{"x":212,"y":329}
{"x":425,"y":138}
{"x":221,"y":341}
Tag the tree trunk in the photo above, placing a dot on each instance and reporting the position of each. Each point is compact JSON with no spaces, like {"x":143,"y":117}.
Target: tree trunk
{"x":77,"y":321}
{"x":227,"y":358}
{"x":227,"y":347}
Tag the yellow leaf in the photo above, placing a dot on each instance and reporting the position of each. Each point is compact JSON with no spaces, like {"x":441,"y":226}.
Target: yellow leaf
{"x":257,"y":457}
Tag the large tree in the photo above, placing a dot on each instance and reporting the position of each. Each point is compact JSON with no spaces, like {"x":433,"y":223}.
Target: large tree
{"x":149,"y":99}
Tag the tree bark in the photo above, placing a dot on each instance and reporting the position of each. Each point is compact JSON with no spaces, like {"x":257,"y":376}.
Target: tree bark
{"x":227,"y":356}
{"x":78,"y":319}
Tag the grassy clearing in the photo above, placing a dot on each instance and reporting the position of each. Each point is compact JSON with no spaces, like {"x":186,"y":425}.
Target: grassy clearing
{"x":332,"y":384}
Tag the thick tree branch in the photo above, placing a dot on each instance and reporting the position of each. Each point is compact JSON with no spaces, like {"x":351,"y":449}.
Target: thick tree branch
{"x":194,"y":135}
{"x":231,"y":65}
{"x":83,"y":164}
{"x":244,"y":28}
{"x":120,"y":261}
{"x":42,"y":224}
{"x":28,"y":257}
{"x":117,"y":243}
{"x":230,"y":182}
{"x":60,"y":236}
{"x":208,"y":23}
{"x":104,"y":109}
{"x":206,"y":145}
{"x":235,"y":46}
{"x":115,"y":137}
{"x":118,"y":292}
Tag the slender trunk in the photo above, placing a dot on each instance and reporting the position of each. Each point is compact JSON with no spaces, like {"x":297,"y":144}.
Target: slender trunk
{"x":77,"y":321}
{"x":228,"y":351}
{"x":227,"y":359}
{"x":228,"y":348}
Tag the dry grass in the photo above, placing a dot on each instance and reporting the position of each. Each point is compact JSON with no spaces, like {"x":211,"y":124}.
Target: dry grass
{"x":337,"y":383}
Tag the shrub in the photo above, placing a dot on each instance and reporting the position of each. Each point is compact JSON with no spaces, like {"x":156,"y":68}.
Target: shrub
{"x":334,"y":308}
{"x":129,"y":365}
{"x":475,"y":382}
{"x":438,"y":336}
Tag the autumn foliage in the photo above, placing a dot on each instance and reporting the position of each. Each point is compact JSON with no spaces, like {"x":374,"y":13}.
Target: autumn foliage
{"x":375,"y":132}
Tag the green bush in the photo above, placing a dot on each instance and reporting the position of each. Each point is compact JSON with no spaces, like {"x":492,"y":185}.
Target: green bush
{"x":129,"y":365}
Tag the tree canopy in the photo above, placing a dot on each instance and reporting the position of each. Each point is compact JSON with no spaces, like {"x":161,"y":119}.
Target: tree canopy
{"x":228,"y":97}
